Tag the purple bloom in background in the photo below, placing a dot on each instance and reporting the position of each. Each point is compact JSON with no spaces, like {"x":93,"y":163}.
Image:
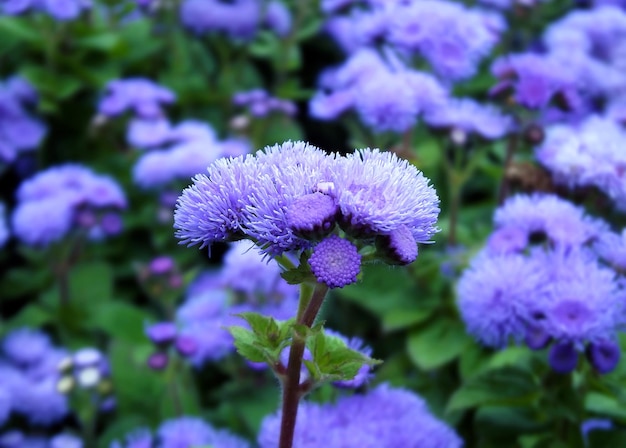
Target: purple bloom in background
{"x":139,"y":438}
{"x":561,"y":222}
{"x":278,"y":17}
{"x":4,"y":230}
{"x":335,"y":262}
{"x":238,"y":19}
{"x":382,"y":417}
{"x":19,"y":130}
{"x":190,"y":432}
{"x":65,"y":441}
{"x":471,"y":117}
{"x":26,"y":346}
{"x":590,"y":154}
{"x":611,"y":247}
{"x":536,"y":79}
{"x":260,"y":104}
{"x":604,"y":355}
{"x":139,"y":95}
{"x":148,"y":133}
{"x":162,"y":332}
{"x":563,"y":357}
{"x":244,"y":270}
{"x":452,"y":38}
{"x":61,"y":10}
{"x":493,"y":296}
{"x":53,"y":202}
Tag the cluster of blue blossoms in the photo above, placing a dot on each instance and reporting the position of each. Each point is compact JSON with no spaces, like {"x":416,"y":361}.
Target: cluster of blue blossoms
{"x":294,"y":197}
{"x":550,"y":275}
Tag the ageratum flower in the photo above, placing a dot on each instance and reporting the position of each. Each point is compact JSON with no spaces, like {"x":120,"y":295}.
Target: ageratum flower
{"x":62,"y":198}
{"x":379,"y":194}
{"x":471,"y":117}
{"x":62,"y":11}
{"x":138,"y":438}
{"x":189,"y":432}
{"x":238,"y":19}
{"x":142,"y":96}
{"x":19,"y":130}
{"x":545,"y":216}
{"x":335,"y":262}
{"x":384,"y":417}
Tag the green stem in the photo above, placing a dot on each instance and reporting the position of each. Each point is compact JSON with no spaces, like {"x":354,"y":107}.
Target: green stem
{"x":511,"y":148}
{"x":310,"y":304}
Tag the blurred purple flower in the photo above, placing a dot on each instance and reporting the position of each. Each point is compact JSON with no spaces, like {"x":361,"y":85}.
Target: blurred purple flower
{"x":238,"y":19}
{"x":471,"y":117}
{"x":140,"y":95}
{"x":382,"y":417}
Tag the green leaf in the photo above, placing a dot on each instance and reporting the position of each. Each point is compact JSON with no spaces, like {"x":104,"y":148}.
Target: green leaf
{"x":33,"y":315}
{"x":19,"y":29}
{"x":247,"y":344}
{"x":54,"y":85}
{"x":439,"y":342}
{"x":120,"y":320}
{"x":400,"y":319}
{"x":605,"y":405}
{"x":508,"y":385}
{"x":106,"y":41}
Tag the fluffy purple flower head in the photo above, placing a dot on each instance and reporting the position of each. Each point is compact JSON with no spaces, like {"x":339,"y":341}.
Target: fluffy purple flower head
{"x":590,"y":154}
{"x":398,"y":247}
{"x":335,"y":262}
{"x":39,"y":400}
{"x":54,"y":201}
{"x":139,"y":438}
{"x":26,"y":346}
{"x":382,"y":417}
{"x":378,"y":193}
{"x":493,"y":296}
{"x":189,"y":432}
{"x":452,"y":38}
{"x":469,"y":116}
{"x":548,"y":216}
{"x":148,"y":132}
{"x":507,"y":240}
{"x":312,"y":215}
{"x":65,"y":441}
{"x":238,"y":19}
{"x":536,"y":79}
{"x":278,"y":17}
{"x":563,"y":357}
{"x":139,"y":95}
{"x":260,"y":103}
{"x":288,"y":171}
{"x":19,"y":130}
{"x":611,"y":247}
{"x":211,"y":209}
{"x":204,"y":319}
{"x":604,"y":355}
{"x":60,"y":10}
{"x":582,"y":299}
{"x":162,"y":333}
{"x":6,"y":399}
{"x":245,"y":271}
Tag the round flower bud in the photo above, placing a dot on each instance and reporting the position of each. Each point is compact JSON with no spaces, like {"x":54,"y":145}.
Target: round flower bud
{"x":312,"y":216}
{"x":603,"y":355}
{"x":335,"y":262}
{"x":563,"y":357}
{"x":161,"y":265}
{"x":398,"y":247}
{"x":162,"y":333}
{"x":186,"y":345}
{"x":158,"y":361}
{"x":536,"y":338}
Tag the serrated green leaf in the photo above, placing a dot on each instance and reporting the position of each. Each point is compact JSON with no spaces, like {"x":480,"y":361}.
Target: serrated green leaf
{"x":247,"y":344}
{"x":508,"y":385}
{"x":438,"y":343}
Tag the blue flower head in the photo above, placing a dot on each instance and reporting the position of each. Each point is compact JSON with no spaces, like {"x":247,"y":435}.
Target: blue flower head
{"x":312,"y":215}
{"x":398,"y":247}
{"x":471,"y":117}
{"x":335,"y":262}
{"x":381,"y":417}
{"x":189,"y":432}
{"x":378,"y":193}
{"x":604,"y":355}
{"x":563,"y":357}
{"x":238,"y":19}
{"x":140,"y":95}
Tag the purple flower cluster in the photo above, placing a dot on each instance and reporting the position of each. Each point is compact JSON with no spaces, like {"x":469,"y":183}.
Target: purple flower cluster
{"x":64,"y":198}
{"x":17,"y":439}
{"x":182,"y":432}
{"x":542,"y":279}
{"x":371,"y":195}
{"x":245,"y":282}
{"x":139,"y":95}
{"x":238,"y":19}
{"x":453,"y":39}
{"x":29,"y":377}
{"x":387,"y":95}
{"x":19,"y":130}
{"x":59,"y":10}
{"x":259,"y":103}
{"x":589,"y":154}
{"x":382,"y":417}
